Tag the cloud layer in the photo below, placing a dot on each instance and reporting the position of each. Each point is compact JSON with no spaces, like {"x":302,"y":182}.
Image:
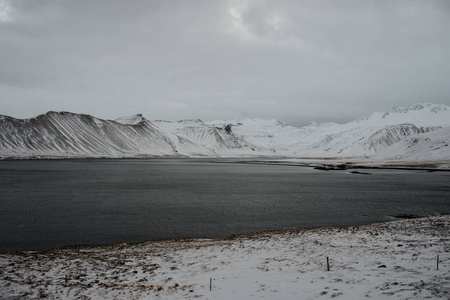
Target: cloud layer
{"x":293,"y":60}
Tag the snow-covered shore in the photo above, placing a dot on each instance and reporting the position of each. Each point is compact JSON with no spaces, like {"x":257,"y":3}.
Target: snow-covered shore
{"x":388,"y":260}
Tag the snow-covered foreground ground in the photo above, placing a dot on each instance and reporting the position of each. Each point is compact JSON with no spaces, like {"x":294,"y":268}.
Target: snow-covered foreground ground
{"x":388,"y":260}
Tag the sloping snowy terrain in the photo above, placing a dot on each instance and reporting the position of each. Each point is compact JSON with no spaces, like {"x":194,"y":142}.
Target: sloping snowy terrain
{"x":413,"y":133}
{"x":364,"y":137}
{"x":202,"y":139}
{"x":394,"y":260}
{"x":65,"y":134}
{"x":434,"y":144}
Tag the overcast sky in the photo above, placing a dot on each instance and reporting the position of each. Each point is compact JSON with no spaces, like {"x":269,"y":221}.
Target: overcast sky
{"x":296,"y":61}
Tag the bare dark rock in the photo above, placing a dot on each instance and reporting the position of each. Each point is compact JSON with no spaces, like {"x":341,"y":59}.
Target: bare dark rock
{"x":228,"y":128}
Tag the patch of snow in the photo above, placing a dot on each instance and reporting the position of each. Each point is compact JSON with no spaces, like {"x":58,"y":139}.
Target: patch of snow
{"x":382,"y":261}
{"x":131,"y":120}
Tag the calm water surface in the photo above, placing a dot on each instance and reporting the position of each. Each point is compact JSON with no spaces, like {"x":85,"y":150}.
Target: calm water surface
{"x":46,"y":204}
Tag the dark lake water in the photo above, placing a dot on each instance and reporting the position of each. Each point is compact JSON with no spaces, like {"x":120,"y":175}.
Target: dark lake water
{"x":47,"y":204}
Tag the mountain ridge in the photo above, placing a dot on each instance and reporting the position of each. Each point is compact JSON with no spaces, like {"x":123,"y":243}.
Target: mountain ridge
{"x":67,"y":134}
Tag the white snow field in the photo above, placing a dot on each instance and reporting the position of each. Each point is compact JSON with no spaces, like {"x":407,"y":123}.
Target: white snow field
{"x":394,"y":260}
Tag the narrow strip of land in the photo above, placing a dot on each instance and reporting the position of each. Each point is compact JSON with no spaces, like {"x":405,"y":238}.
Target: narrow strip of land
{"x":349,"y":163}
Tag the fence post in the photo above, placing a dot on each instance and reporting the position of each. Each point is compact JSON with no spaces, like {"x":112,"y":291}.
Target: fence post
{"x":437,"y":263}
{"x":328,"y":264}
{"x":210,"y":284}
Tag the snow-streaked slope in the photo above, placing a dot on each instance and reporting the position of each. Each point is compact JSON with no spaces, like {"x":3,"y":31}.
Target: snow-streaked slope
{"x":390,"y":135}
{"x":428,"y":146}
{"x":380,"y":134}
{"x":208,"y":140}
{"x":69,"y":134}
{"x":362,"y":137}
{"x":422,"y":114}
{"x":366,"y":136}
{"x":64,"y":134}
{"x":269,"y":134}
{"x":363,"y":141}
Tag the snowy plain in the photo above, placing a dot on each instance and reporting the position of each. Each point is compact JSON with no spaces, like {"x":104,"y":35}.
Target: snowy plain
{"x":406,"y":259}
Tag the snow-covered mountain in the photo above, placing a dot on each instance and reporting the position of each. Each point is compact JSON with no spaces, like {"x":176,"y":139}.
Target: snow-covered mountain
{"x":363,"y":137}
{"x":68,"y":134}
{"x":65,"y":134}
{"x":429,"y":146}
{"x":193,"y":138}
{"x":419,"y":132}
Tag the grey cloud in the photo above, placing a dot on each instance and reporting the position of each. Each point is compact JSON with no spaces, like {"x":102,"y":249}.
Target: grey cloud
{"x":293,"y":60}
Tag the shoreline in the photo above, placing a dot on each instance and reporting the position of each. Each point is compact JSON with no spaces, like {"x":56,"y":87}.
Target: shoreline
{"x":381,"y":260}
{"x":231,"y":237}
{"x":322,"y":163}
{"x":342,"y":165}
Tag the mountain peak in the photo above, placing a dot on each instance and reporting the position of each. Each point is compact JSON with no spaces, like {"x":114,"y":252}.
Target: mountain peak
{"x":312,"y":124}
{"x":263,"y":122}
{"x":435,"y":108}
{"x":130,"y":120}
